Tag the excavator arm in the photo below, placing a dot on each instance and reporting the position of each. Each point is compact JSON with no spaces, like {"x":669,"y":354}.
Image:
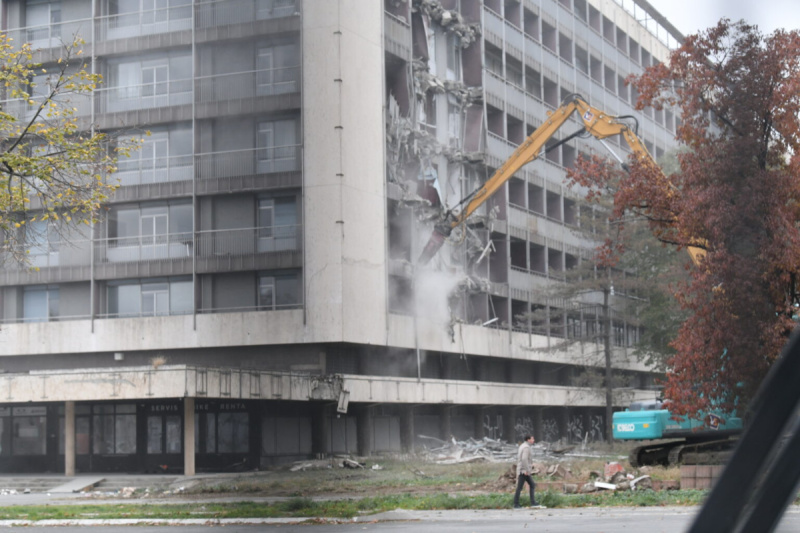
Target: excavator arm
{"x":595,"y":122}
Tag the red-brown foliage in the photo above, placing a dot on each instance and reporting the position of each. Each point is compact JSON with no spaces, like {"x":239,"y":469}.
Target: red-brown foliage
{"x":737,"y":191}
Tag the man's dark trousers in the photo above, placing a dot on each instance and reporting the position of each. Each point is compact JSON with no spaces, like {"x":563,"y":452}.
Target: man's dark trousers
{"x":521,"y":480}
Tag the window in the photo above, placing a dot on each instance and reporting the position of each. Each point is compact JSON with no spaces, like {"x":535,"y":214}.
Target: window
{"x":267,"y":9}
{"x":162,"y":156}
{"x":43,"y":22}
{"x":276,"y":146}
{"x":164,"y":434}
{"x":152,"y":297}
{"x":150,"y":231}
{"x":453,"y":57}
{"x":276,"y":69}
{"x":114,"y":429}
{"x":130,"y":18}
{"x":40,"y":303}
{"x":150,"y":81}
{"x":277,"y":224}
{"x":278,"y":290}
{"x":42,"y":243}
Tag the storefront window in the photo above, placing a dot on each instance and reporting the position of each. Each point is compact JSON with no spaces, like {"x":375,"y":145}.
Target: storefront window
{"x":114,"y":429}
{"x":29,"y":434}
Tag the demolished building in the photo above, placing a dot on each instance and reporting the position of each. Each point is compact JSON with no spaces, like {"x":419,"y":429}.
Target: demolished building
{"x":253,"y":296}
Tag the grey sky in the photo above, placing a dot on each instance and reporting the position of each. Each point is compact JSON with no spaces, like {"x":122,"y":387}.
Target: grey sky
{"x":690,"y":16}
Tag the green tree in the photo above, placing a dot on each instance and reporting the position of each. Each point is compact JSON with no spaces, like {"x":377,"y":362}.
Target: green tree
{"x":54,"y":165}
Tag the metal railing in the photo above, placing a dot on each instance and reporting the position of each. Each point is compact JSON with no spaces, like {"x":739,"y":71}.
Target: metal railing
{"x":248,"y":162}
{"x":144,"y":248}
{"x":144,"y":96}
{"x":249,"y":84}
{"x":225,"y":12}
{"x":248,"y":241}
{"x":155,"y":170}
{"x":148,"y":22}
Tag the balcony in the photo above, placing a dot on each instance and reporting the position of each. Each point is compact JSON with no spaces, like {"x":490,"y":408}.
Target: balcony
{"x":250,"y":84}
{"x":226,"y":12}
{"x":132,"y":172}
{"x":144,"y":96}
{"x":148,"y":22}
{"x":52,"y":35}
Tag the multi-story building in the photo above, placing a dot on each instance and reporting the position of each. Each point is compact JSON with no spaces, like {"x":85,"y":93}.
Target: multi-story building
{"x":251,"y":296}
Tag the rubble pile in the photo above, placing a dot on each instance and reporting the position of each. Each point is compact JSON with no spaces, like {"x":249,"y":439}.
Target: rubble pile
{"x":470,"y":450}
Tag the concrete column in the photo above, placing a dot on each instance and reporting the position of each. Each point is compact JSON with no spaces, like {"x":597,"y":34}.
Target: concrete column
{"x":562,"y":417}
{"x":364,"y":414}
{"x":444,"y":422}
{"x":188,"y":437}
{"x":407,"y":428}
{"x":478,"y":428}
{"x":538,"y":432}
{"x":321,"y":430}
{"x":69,"y":438}
{"x":509,"y":424}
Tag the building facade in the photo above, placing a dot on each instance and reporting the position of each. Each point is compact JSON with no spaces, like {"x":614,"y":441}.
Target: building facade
{"x":251,"y":296}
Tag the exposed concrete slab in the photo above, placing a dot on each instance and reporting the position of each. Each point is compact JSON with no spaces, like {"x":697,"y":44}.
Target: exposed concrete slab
{"x":77,"y":484}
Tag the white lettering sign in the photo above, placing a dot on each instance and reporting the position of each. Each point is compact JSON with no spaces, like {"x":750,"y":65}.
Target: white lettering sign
{"x":626,"y":428}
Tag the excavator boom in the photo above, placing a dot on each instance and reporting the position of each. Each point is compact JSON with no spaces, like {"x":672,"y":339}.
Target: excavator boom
{"x":595,"y":122}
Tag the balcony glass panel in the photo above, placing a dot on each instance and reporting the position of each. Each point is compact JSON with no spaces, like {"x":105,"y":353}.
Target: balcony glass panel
{"x":210,"y":14}
{"x":133,"y":18}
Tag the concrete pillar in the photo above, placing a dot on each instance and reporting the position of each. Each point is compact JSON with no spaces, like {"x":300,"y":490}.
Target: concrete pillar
{"x":478,"y":428}
{"x":364,"y":416}
{"x":407,"y":428}
{"x":444,"y":422}
{"x":188,"y":437}
{"x":509,"y":425}
{"x":321,"y":430}
{"x":538,"y":425}
{"x":563,"y":424}
{"x":69,"y":438}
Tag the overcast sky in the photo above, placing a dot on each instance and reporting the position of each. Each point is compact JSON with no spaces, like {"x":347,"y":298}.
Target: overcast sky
{"x":689,"y":16}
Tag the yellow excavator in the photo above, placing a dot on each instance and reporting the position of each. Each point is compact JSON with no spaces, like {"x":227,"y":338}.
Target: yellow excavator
{"x":595,"y":123}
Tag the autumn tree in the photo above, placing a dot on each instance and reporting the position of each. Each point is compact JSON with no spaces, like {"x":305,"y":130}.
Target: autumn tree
{"x":736,"y":195}
{"x":54,"y":166}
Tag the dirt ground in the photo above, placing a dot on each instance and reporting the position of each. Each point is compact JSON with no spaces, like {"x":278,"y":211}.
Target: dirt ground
{"x":420,"y":474}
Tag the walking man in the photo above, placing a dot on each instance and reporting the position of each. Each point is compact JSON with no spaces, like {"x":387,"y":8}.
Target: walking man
{"x":524,"y":470}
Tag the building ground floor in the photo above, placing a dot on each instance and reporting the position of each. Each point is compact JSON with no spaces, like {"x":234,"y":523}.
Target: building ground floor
{"x":198,"y":434}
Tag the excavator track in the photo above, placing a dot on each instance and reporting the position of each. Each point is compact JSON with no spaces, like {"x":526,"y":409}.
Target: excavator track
{"x":672,"y":453}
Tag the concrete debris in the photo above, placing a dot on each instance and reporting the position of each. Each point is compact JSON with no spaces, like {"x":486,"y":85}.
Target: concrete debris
{"x":7,"y":492}
{"x":349,"y":463}
{"x":127,"y":492}
{"x":611,"y":469}
{"x":26,"y":491}
{"x":558,"y":471}
{"x":450,"y":20}
{"x":587,"y":488}
{"x":472,"y":450}
{"x":605,"y":486}
{"x":642,"y":483}
{"x":377,"y":467}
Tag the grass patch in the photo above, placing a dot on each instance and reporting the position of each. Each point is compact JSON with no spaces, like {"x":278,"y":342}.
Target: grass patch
{"x":347,"y":508}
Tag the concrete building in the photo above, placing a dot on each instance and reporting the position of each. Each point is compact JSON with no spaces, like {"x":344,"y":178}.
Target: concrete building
{"x":251,"y":297}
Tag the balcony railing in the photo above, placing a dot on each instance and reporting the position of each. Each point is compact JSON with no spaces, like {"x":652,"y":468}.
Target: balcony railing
{"x":143,"y":248}
{"x":148,"y":22}
{"x":249,"y":84}
{"x":224,"y":12}
{"x":144,"y":96}
{"x":248,"y":241}
{"x":155,"y":170}
{"x":153,"y":21}
{"x":248,"y":162}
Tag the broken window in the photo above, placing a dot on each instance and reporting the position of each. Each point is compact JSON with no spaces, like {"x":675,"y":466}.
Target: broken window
{"x":622,"y":89}
{"x":538,"y":261}
{"x":233,"y":432}
{"x":533,"y":83}
{"x":582,"y":59}
{"x":513,"y":71}
{"x":610,"y":79}
{"x":596,"y":67}
{"x":549,"y":37}
{"x":493,"y":60}
{"x":551,"y":94}
{"x":595,"y":19}
{"x":565,"y":47}
{"x":633,"y":50}
{"x":532,"y":25}
{"x":580,"y":9}
{"x":512,"y":12}
{"x":453,"y":57}
{"x":608,"y":30}
{"x":622,"y":41}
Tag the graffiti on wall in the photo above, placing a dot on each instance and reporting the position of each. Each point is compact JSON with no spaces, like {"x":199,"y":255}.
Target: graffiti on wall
{"x":575,"y":429}
{"x":596,"y":430}
{"x":493,"y":426}
{"x":550,"y":432}
{"x":523,"y":425}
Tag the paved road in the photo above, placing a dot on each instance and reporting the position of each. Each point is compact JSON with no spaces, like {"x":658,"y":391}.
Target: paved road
{"x":634,"y":520}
